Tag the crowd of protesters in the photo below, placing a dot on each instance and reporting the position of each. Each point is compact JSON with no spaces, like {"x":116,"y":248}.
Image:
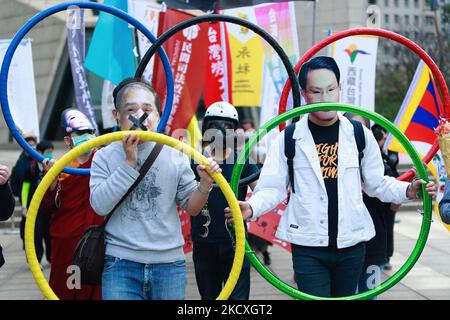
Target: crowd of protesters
{"x":343,"y":196}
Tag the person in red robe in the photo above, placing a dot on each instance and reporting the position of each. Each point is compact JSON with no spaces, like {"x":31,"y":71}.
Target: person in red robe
{"x":71,"y":213}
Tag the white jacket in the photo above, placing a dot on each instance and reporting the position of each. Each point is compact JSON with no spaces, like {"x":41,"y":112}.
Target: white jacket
{"x":305,"y":221}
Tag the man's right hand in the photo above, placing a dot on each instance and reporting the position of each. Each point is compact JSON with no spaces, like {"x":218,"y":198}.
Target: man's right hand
{"x":246,"y":209}
{"x":130,"y":143}
{"x":47,"y":165}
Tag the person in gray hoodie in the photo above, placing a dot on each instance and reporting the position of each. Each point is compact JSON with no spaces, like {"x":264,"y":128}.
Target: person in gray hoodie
{"x":144,"y":244}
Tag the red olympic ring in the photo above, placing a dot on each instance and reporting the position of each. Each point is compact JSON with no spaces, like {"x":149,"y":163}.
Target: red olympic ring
{"x":392,"y":36}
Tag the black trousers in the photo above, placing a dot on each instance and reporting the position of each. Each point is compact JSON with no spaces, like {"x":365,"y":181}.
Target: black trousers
{"x":41,"y":235}
{"x":390,"y":221}
{"x":212,"y":263}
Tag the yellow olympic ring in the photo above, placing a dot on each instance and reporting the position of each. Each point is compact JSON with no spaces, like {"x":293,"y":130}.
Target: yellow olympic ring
{"x":53,"y":173}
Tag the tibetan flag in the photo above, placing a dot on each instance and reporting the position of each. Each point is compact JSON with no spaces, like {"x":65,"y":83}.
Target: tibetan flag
{"x":417,"y":119}
{"x":419,"y":114}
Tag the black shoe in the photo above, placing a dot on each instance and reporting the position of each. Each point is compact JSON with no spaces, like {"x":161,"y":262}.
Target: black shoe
{"x":267,"y":260}
{"x":387,"y":267}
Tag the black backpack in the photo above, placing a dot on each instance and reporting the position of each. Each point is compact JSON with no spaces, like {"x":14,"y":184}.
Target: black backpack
{"x":289,"y":147}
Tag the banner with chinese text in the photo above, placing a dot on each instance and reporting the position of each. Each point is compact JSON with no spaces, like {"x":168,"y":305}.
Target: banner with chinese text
{"x":357,"y":60}
{"x":187,"y":52}
{"x":246,"y":60}
{"x":218,"y":68}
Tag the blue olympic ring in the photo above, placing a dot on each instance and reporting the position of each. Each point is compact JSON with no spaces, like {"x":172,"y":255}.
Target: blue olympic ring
{"x":41,"y":16}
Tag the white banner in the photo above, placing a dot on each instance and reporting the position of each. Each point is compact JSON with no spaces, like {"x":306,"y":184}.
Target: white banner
{"x":357,"y":60}
{"x":108,"y":105}
{"x":21,"y":87}
{"x":147,"y":14}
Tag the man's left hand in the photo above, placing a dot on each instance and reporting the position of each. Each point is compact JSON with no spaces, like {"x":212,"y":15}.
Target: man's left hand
{"x":416,"y":186}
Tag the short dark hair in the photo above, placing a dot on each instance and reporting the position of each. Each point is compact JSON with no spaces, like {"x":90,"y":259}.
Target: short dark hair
{"x":245,"y":121}
{"x":378,"y":131}
{"x":44,"y":145}
{"x":121,"y":88}
{"x":28,"y":139}
{"x":321,"y":62}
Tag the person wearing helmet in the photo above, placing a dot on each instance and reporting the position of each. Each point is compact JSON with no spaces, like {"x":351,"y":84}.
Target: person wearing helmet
{"x":144,"y":245}
{"x":67,"y":200}
{"x":213,"y":246}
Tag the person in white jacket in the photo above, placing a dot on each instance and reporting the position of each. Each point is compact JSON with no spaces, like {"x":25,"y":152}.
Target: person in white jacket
{"x":326,"y":220}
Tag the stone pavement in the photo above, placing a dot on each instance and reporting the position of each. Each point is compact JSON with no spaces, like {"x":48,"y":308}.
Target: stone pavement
{"x":429,"y":279}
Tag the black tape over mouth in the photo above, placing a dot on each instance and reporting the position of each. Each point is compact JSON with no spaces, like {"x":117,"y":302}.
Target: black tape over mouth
{"x":138,"y":123}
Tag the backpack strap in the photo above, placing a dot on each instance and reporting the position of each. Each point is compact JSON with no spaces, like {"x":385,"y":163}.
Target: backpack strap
{"x":360,"y":142}
{"x":289,"y":148}
{"x":289,"y":152}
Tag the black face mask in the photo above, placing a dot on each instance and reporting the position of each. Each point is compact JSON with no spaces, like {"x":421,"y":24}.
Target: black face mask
{"x":220,"y":134}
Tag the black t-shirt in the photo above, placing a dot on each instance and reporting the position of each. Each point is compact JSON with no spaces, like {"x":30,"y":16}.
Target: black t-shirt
{"x":327,"y":144}
{"x":209,"y":224}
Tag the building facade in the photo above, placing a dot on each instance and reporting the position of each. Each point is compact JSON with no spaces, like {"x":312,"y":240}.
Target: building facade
{"x":315,"y":19}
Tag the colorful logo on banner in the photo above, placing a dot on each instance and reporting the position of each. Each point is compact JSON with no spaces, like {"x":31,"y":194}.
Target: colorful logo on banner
{"x":418,"y":117}
{"x":353,"y":52}
{"x":358,"y":69}
{"x":246,"y":61}
{"x":187,"y":52}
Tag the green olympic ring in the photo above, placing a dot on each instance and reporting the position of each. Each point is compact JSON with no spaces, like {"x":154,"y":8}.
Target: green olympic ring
{"x":417,"y":161}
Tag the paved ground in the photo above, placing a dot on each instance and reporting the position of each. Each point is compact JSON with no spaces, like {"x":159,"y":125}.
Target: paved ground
{"x":429,"y":279}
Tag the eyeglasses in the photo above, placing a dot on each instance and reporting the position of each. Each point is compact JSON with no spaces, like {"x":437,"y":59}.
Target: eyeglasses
{"x":316,"y":93}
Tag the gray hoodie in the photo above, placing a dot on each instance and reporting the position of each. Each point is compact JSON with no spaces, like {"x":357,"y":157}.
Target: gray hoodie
{"x":146,"y":227}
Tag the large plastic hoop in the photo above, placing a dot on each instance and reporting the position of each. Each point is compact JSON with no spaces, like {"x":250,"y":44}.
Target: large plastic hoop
{"x":108,"y":138}
{"x":214,"y":18}
{"x":389,"y":35}
{"x":41,"y":16}
{"x":421,"y":171}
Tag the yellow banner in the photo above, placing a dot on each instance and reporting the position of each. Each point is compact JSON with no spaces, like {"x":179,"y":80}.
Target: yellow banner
{"x":247,"y":61}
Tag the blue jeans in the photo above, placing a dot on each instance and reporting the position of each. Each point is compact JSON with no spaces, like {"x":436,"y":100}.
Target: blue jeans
{"x":328,"y":272}
{"x":370,"y":278}
{"x":128,"y":280}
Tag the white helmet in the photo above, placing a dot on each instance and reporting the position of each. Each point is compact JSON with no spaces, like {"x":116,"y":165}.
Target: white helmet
{"x":222,"y":109}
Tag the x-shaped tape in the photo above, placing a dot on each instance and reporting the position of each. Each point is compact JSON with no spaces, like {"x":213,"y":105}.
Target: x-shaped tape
{"x":138,"y":123}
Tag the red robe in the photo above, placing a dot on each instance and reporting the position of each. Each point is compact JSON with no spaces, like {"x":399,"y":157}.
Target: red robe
{"x":72,"y":214}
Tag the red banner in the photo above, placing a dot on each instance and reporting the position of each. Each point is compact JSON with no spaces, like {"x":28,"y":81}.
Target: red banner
{"x":266,"y":226}
{"x":185,"y":219}
{"x":187,"y":52}
{"x":217,"y":71}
